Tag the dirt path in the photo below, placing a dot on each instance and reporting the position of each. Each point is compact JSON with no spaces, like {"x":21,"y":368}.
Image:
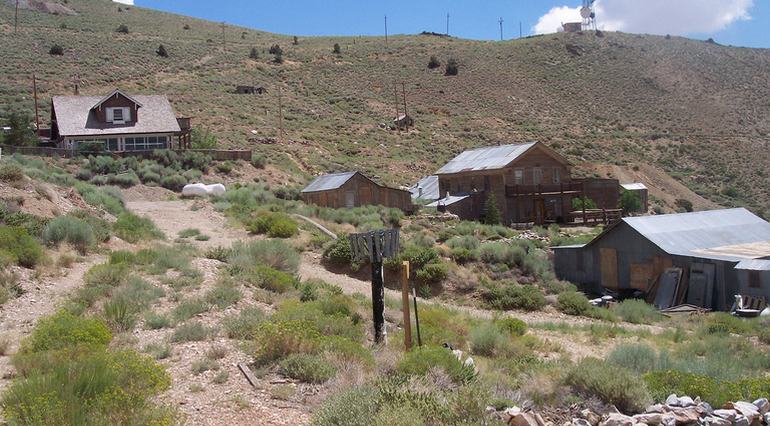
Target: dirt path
{"x":41,"y":298}
{"x":174,"y":216}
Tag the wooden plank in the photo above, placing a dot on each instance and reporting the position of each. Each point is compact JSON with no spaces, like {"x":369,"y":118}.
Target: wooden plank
{"x":405,"y":305}
{"x":249,"y":375}
{"x":608,"y":259}
{"x":641,"y":276}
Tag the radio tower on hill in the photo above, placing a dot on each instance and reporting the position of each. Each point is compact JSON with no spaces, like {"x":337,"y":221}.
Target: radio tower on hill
{"x":588,"y":14}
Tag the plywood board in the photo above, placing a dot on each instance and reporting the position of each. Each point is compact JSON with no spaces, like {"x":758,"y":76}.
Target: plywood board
{"x":642,"y":276}
{"x":608,"y":258}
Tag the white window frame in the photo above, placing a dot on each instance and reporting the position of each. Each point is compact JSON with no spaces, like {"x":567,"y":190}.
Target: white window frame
{"x":518,"y":176}
{"x":556,"y":175}
{"x":537,"y":176}
{"x":125,"y":113}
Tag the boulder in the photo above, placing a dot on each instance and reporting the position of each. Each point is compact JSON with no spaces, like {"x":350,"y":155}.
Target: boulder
{"x":592,"y":418}
{"x":716,"y":421}
{"x":581,"y":422}
{"x":523,"y":419}
{"x":726,"y":414}
{"x":740,"y":420}
{"x":763,"y":405}
{"x":657,"y":408}
{"x":649,"y":418}
{"x":617,"y":419}
{"x":686,"y":416}
{"x":748,"y":410}
{"x":686,"y":401}
{"x":766,"y":418}
{"x":672,"y":400}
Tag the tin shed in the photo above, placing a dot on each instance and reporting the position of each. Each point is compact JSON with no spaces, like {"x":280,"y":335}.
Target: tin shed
{"x":354,"y":189}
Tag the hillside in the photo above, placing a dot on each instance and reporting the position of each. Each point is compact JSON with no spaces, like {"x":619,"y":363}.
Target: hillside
{"x":694,"y":110}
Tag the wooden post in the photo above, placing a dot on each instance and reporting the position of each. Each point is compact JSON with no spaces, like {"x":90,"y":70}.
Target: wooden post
{"x":16,"y":17}
{"x":386,"y":32}
{"x":37,"y":115}
{"x":405,"y":305}
{"x":378,"y":300}
{"x":406,"y":115}
{"x":416,"y":318}
{"x":395,"y":96}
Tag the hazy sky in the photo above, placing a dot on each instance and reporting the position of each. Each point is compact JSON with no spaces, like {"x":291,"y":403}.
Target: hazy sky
{"x":735,"y":22}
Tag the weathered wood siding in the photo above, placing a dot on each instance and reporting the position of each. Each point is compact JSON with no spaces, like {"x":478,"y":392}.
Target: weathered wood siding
{"x":359,"y":191}
{"x":117,"y":101}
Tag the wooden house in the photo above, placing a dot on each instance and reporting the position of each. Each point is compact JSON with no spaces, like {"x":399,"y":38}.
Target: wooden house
{"x":531,"y":183}
{"x":118,"y":121}
{"x":354,"y":189}
{"x":715,"y":255}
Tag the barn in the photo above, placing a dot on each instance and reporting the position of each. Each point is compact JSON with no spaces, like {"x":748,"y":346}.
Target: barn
{"x":711,"y":255}
{"x":354,"y":189}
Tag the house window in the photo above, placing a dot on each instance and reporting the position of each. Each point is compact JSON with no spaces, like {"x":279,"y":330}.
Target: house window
{"x":537,"y":176}
{"x":117,"y":115}
{"x":556,"y":175}
{"x":112,"y":144}
{"x":754,"y":279}
{"x":518,"y":176}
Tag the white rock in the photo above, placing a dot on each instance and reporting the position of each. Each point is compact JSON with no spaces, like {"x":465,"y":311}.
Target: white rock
{"x":649,"y":418}
{"x":686,"y":401}
{"x":716,"y":421}
{"x":767,"y":418}
{"x":617,"y":419}
{"x":763,"y":405}
{"x":726,"y":414}
{"x":672,"y":400}
{"x":748,"y":410}
{"x":741,"y":421}
{"x":656,"y":408}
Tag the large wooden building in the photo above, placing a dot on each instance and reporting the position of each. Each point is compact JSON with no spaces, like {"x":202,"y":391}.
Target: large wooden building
{"x":531,"y":183}
{"x":354,"y":189}
{"x":714,"y":255}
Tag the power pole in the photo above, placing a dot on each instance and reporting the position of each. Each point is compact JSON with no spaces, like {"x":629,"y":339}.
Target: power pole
{"x":386,"y":29}
{"x":34,"y":92}
{"x":447,"y":24}
{"x":16,"y":17}
{"x":395,"y":96}
{"x":406,"y":116}
{"x":519,"y":29}
{"x":501,"y":28}
{"x":224,"y":39}
{"x":280,"y":113}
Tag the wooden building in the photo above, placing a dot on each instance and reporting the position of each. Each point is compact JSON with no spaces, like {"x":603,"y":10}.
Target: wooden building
{"x":118,"y":121}
{"x":354,"y":189}
{"x":572,"y":27}
{"x":640,"y":190}
{"x":715,"y":255}
{"x":531,"y":183}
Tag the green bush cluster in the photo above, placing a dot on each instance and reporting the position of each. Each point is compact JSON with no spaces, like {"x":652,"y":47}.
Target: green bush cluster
{"x":308,"y":368}
{"x":34,"y":225}
{"x":715,"y":392}
{"x":19,"y":247}
{"x":71,"y":230}
{"x":270,"y":279}
{"x":10,"y":172}
{"x":513,"y":326}
{"x":338,"y":252}
{"x":273,"y":253}
{"x":165,"y":168}
{"x":507,"y":295}
{"x":64,"y":330}
{"x":612,"y":384}
{"x":274,"y":224}
{"x":417,"y":363}
{"x":132,"y":228}
{"x":243,"y":325}
{"x":637,"y":312}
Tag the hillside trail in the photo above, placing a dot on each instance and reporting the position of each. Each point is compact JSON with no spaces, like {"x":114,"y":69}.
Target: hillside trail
{"x":18,"y":316}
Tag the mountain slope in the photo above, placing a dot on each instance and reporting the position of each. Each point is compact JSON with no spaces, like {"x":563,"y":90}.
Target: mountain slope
{"x":696,"y":110}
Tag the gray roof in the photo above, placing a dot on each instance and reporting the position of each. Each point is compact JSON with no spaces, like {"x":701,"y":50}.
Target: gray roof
{"x":328,"y":182}
{"x":633,"y":186}
{"x":728,"y":234}
{"x":74,"y":116}
{"x":447,"y":201}
{"x":429,"y":185}
{"x":488,"y":158}
{"x":754,"y":265}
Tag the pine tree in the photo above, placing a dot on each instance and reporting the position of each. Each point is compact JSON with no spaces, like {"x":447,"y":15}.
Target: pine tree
{"x":20,"y":133}
{"x":162,"y":51}
{"x":254,"y":54}
{"x":492,"y":215}
{"x":336,"y":50}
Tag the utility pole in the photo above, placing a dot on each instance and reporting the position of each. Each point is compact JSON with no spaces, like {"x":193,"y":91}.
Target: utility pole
{"x":224,"y":39}
{"x":16,"y":17}
{"x":501,"y":28}
{"x":519,"y":29}
{"x":447,"y":24}
{"x":34,"y":92}
{"x":395,"y":96}
{"x":386,"y":29}
{"x":280,"y":113}
{"x":406,"y":116}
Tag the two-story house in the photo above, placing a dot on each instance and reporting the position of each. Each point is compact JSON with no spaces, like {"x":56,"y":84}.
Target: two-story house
{"x":531,"y":183}
{"x":118,"y":121}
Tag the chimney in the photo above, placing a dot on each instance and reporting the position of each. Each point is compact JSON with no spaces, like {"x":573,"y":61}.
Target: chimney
{"x":419,"y":192}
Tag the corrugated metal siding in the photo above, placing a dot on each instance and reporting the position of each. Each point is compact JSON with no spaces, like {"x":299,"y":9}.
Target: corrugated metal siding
{"x":429,"y":185}
{"x":754,"y":265}
{"x":488,"y":158}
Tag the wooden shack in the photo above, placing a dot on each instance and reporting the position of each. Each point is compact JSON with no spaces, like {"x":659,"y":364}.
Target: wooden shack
{"x":354,"y":189}
{"x":572,"y":27}
{"x":641,"y":191}
{"x":403,"y":121}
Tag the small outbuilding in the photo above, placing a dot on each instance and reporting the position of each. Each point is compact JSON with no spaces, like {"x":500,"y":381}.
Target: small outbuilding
{"x":572,"y":27}
{"x":354,"y":189}
{"x":403,"y":121}
{"x":641,"y":191}
{"x":700,"y":258}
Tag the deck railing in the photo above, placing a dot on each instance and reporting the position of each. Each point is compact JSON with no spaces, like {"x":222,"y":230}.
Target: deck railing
{"x":543,"y":189}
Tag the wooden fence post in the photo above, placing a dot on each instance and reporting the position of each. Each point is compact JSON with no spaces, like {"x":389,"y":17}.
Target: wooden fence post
{"x":405,"y":305}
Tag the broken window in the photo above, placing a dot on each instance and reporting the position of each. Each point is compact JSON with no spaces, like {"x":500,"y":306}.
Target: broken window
{"x":754,"y":279}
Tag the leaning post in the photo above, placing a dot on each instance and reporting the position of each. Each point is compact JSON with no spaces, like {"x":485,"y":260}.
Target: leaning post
{"x":405,"y":305}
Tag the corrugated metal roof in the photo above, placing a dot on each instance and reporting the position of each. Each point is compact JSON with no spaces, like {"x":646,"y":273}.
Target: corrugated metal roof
{"x":702,"y":234}
{"x":74,"y":117}
{"x":327,"y":182}
{"x":446,"y":201}
{"x":488,"y":158}
{"x":633,"y":186}
{"x":429,"y":185}
{"x":754,"y":265}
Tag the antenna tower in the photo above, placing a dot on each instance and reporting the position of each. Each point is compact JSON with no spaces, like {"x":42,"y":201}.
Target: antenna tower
{"x":588,"y":14}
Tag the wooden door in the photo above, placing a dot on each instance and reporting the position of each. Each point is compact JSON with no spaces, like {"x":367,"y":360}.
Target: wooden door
{"x":539,"y":212}
{"x":642,"y":276}
{"x":350,"y":199}
{"x":608,"y":259}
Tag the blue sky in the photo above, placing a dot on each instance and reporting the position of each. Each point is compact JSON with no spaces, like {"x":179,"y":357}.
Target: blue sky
{"x":735,"y":22}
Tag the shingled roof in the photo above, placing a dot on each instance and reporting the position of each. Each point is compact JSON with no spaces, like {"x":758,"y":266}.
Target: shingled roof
{"x":74,"y":116}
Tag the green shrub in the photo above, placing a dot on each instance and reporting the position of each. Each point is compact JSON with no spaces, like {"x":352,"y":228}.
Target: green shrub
{"x":174,"y":182}
{"x":101,"y":228}
{"x":722,"y":322}
{"x":419,"y":361}
{"x":63,"y":330}
{"x":217,"y":253}
{"x":125,"y":180}
{"x":486,"y":339}
{"x":190,"y":332}
{"x":34,"y":225}
{"x":338,"y":252}
{"x":17,"y":245}
{"x":122,"y":256}
{"x":10,"y":172}
{"x":508,"y":295}
{"x":273,"y":253}
{"x":613,"y":385}
{"x":271,"y":279}
{"x":352,"y":407}
{"x":308,"y":368}
{"x":189,"y":308}
{"x":224,"y":294}
{"x":574,"y":303}
{"x":243,"y":326}
{"x":347,"y":350}
{"x":330,"y":317}
{"x":637,"y":312}
{"x":132,"y":228}
{"x":120,"y":314}
{"x":258,"y":160}
{"x":432,"y":273}
{"x":9,"y":285}
{"x":189,"y":232}
{"x":277,"y":340}
{"x":156,"y":321}
{"x":513,"y":326}
{"x":638,"y":357}
{"x":202,"y":365}
{"x":715,"y":392}
{"x":275,"y":225}
{"x":69,"y":229}
{"x":98,"y":387}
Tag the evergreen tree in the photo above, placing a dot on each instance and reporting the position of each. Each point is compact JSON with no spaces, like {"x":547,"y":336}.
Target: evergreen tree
{"x":162,"y":51}
{"x":492,"y":215}
{"x":336,"y":49}
{"x":254,"y":54}
{"x":629,"y":202}
{"x":20,"y":133}
{"x":452,"y":68}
